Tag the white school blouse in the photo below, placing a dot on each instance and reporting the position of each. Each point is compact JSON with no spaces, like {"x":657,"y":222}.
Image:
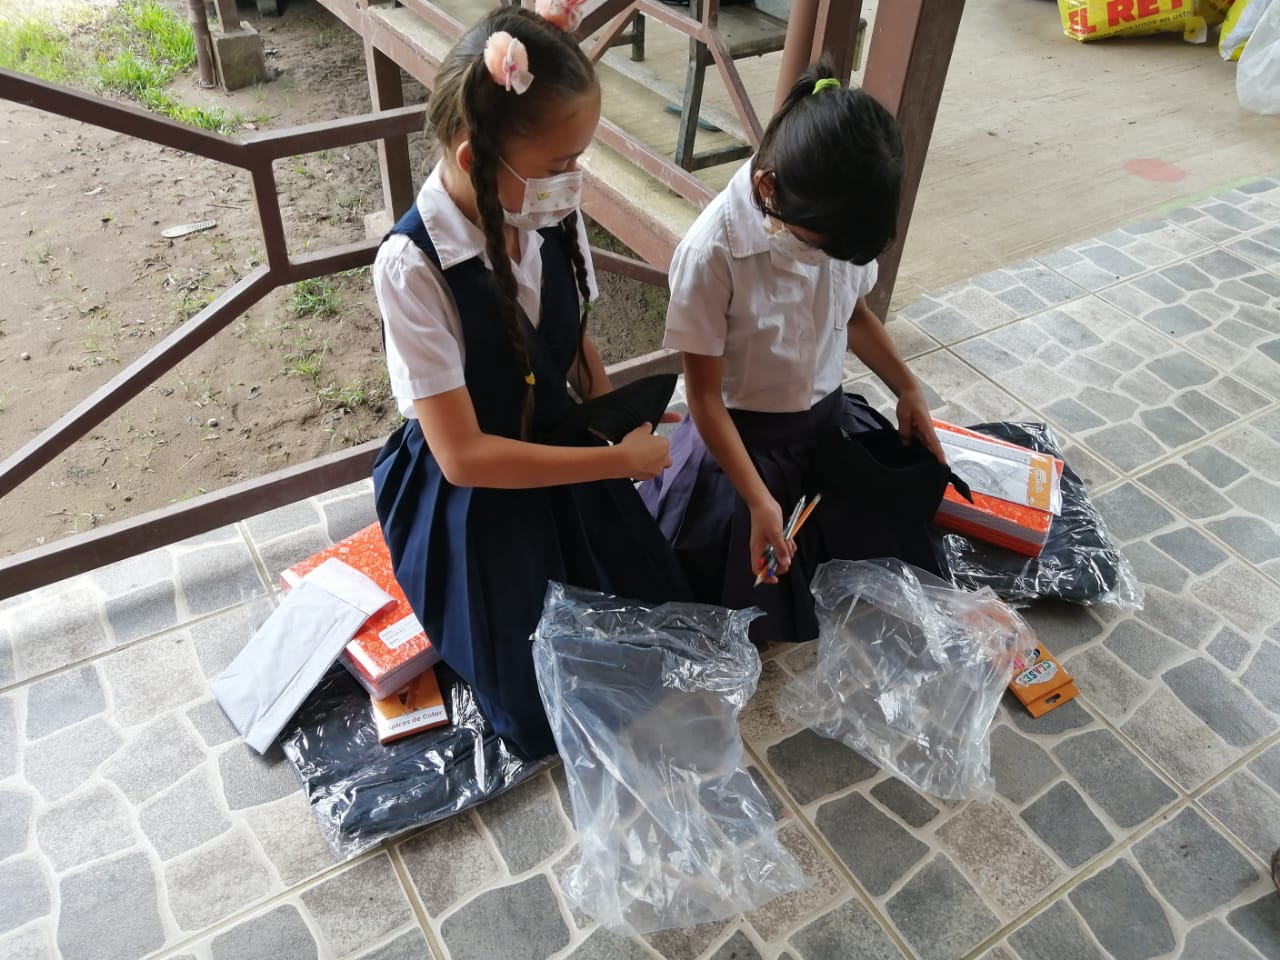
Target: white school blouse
{"x":425,"y":354}
{"x":779,"y":325}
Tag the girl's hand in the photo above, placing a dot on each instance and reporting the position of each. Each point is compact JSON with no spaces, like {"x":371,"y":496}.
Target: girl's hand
{"x":672,"y":416}
{"x":766,"y":530}
{"x":645,"y":453}
{"x":914,"y":421}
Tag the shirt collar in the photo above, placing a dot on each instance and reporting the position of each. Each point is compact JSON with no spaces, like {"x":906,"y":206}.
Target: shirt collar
{"x":456,"y":238}
{"x":744,"y":223}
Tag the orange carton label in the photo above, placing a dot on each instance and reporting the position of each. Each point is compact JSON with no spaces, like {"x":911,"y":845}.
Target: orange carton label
{"x":1042,"y":683}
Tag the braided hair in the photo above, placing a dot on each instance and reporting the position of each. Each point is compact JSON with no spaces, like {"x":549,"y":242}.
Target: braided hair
{"x":466,"y":99}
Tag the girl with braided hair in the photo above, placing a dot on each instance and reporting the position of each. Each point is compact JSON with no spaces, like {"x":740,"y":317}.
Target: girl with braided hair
{"x":484,"y":287}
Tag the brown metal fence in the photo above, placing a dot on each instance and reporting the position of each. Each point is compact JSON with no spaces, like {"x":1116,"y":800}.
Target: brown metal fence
{"x":254,"y":154}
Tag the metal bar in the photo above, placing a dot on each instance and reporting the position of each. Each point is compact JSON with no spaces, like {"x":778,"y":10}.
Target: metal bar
{"x":911,"y":49}
{"x":131,"y":381}
{"x":348,"y":256}
{"x":198,"y":17}
{"x":737,"y":92}
{"x":386,"y":92}
{"x":120,"y":118}
{"x":677,"y":21}
{"x":610,"y":35}
{"x":714,"y":158}
{"x":328,"y":134}
{"x":620,"y":374}
{"x":417,"y":61}
{"x":598,"y":16}
{"x":798,"y":47}
{"x":691,"y":104}
{"x":629,"y":267}
{"x":158,"y":528}
{"x":653,"y":163}
{"x":270,"y":221}
{"x":651,"y":239}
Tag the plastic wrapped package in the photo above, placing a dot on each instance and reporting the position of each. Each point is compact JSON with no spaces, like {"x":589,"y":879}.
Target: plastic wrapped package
{"x":643,"y":702}
{"x":1079,"y":564}
{"x":363,"y":792}
{"x":1258,"y":75}
{"x":1086,"y":20}
{"x":1242,"y":19}
{"x":910,"y":672}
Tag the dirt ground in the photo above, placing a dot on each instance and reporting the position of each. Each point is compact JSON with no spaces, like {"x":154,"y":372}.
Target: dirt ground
{"x":90,"y":284}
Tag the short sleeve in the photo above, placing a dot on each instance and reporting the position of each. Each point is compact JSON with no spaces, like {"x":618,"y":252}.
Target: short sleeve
{"x":870,"y":275}
{"x":698,"y":311}
{"x":424,"y":342}
{"x":584,"y":244}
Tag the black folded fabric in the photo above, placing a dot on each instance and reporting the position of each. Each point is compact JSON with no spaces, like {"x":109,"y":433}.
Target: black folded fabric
{"x":902,"y":479}
{"x":614,"y":414}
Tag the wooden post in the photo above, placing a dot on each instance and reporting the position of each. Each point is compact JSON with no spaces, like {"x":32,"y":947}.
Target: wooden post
{"x":911,"y":49}
{"x":835,"y":33}
{"x":386,"y":91}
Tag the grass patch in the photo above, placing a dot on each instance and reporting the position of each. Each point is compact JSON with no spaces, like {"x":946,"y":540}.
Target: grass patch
{"x":316,"y":297}
{"x":135,"y":50}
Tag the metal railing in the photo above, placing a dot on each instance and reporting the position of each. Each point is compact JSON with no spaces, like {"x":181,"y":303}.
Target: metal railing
{"x":254,"y":154}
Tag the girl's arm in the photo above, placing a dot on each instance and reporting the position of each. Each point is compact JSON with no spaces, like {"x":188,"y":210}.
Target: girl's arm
{"x":706,"y":404}
{"x":870,"y":343}
{"x":469,"y":457}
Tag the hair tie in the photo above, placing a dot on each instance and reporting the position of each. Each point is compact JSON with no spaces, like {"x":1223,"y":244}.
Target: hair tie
{"x":825,"y":83}
{"x":507,"y":61}
{"x":565,"y":14}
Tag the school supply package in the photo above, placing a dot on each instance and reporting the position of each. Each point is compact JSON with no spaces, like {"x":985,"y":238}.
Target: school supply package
{"x":1014,"y":491}
{"x":1258,"y":76}
{"x":364,"y":792}
{"x":611,"y":416}
{"x":1078,"y":563}
{"x":644,"y":702}
{"x":284,"y":660}
{"x":1086,"y":20}
{"x":392,"y":648}
{"x":1041,"y":683}
{"x":909,"y":673}
{"x":419,"y":706}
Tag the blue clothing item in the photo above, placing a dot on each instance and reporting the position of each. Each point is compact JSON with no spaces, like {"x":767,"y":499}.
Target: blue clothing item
{"x":475,"y":562}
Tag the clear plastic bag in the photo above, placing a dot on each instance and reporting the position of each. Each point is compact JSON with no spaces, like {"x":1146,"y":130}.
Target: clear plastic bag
{"x":1080,"y":562}
{"x":363,"y":792}
{"x":910,"y":671}
{"x":1258,"y":75}
{"x":643,"y":702}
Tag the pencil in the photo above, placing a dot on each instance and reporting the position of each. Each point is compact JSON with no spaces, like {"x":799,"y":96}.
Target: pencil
{"x":804,"y":516}
{"x":798,"y":513}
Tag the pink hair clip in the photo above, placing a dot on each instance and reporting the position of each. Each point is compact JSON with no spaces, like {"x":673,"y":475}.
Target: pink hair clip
{"x":507,"y":61}
{"x":565,"y":14}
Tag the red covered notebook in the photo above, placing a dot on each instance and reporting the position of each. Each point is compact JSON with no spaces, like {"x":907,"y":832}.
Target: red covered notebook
{"x":391,"y":648}
{"x":1016,"y":491}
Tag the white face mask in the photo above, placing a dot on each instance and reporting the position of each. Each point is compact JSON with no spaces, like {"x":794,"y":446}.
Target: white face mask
{"x":547,"y":200}
{"x":788,"y":245}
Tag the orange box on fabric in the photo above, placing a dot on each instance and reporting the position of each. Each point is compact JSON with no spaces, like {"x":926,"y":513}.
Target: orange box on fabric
{"x":1086,"y":20}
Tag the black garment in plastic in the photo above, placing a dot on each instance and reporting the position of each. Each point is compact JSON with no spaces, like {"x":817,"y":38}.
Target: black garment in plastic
{"x":363,"y":792}
{"x":1080,"y":563}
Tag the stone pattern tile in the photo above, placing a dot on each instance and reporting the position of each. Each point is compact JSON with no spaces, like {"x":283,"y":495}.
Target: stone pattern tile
{"x":1132,"y":822}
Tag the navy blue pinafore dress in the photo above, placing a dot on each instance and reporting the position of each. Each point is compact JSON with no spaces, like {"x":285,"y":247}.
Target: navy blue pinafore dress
{"x":474,"y":562}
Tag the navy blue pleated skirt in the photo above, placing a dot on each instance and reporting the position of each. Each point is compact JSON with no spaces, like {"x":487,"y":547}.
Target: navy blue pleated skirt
{"x":699,"y":511}
{"x":474,"y":564}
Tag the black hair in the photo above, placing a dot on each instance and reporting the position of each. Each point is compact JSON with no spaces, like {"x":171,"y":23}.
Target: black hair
{"x":467,"y":99}
{"x":836,"y":164}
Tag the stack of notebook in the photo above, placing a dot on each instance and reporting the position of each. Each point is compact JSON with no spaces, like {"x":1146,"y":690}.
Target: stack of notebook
{"x":1016,"y":491}
{"x":391,"y":649}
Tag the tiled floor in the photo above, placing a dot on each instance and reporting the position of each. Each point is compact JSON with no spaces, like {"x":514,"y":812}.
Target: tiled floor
{"x":1133,"y":823}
